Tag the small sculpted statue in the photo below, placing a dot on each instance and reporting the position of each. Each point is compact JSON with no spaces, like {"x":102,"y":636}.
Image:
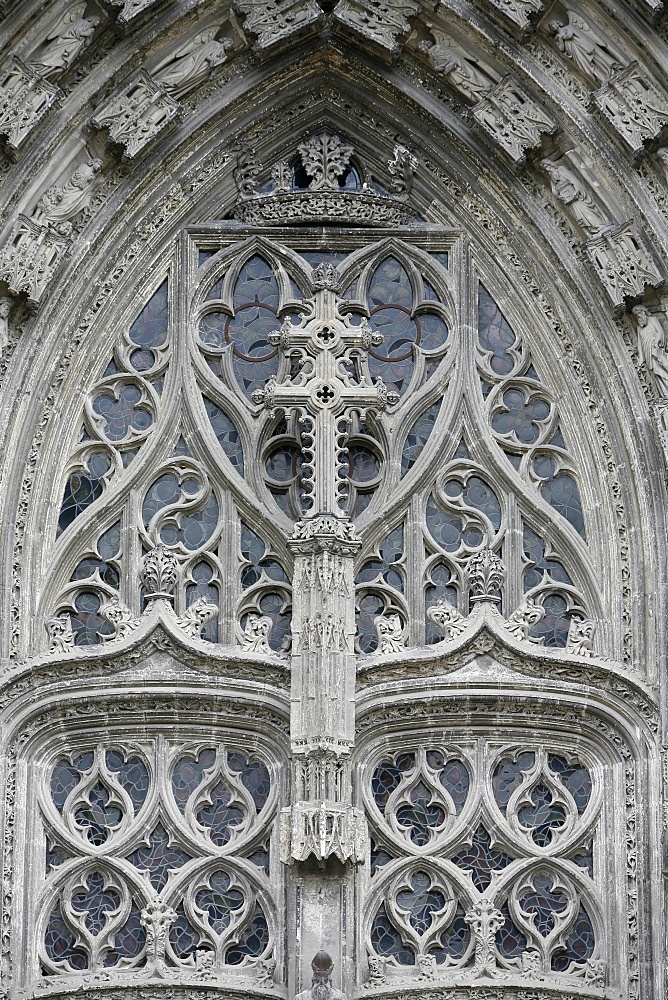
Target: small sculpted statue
{"x":73,"y":33}
{"x":588,"y":50}
{"x":461,"y":72}
{"x":59,"y":205}
{"x":652,"y":349}
{"x":321,"y":988}
{"x":572,"y":193}
{"x":192,"y":63}
{"x":5,"y":308}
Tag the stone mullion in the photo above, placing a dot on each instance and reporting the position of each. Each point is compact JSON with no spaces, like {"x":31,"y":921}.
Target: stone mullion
{"x":414,"y":557}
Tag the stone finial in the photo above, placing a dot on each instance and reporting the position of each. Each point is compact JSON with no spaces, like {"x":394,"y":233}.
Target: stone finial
{"x":156,"y":917}
{"x":486,"y":575}
{"x":159,"y":573}
{"x":485,"y":920}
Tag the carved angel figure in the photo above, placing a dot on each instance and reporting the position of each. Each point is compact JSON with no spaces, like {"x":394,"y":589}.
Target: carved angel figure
{"x":58,"y":205}
{"x":192,"y":63}
{"x":652,"y":348}
{"x":73,"y":33}
{"x":461,"y":72}
{"x":588,"y":50}
{"x":5,"y":308}
{"x":571,"y":192}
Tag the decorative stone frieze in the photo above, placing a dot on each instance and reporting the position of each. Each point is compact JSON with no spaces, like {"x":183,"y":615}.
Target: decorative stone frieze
{"x":382,"y":22}
{"x":30,"y":257}
{"x":25,"y":97}
{"x":273,"y":22}
{"x":513,"y":119}
{"x":623,"y":263}
{"x":137,"y":115}
{"x":634,"y":106}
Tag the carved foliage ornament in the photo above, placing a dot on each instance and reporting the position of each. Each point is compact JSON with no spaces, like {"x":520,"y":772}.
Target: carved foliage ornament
{"x":325,"y":181}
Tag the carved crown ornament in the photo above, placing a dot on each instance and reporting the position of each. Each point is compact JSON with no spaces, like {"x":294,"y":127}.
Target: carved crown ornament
{"x":325,"y":182}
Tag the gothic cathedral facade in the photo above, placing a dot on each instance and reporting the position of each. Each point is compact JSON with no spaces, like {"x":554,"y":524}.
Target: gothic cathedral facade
{"x":334,"y":422}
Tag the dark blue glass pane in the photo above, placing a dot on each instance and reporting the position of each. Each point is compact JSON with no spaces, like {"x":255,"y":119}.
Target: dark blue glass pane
{"x":89,"y":626}
{"x":133,"y":775}
{"x":578,"y":946}
{"x":158,"y":857}
{"x":421,"y":902}
{"x":183,"y":937}
{"x":253,"y":941}
{"x":122,"y":411}
{"x":379,"y":857}
{"x":561,"y":491}
{"x":254,"y":775}
{"x":98,"y":817}
{"x":477,"y":494}
{"x":219,"y":816}
{"x":256,"y":283}
{"x":448,"y":531}
{"x":82,"y":488}
{"x":386,"y":939}
{"x":544,"y":903}
{"x":227,"y":434}
{"x":418,"y":436}
{"x":109,"y":542}
{"x":481,"y":859}
{"x":575,"y":777}
{"x":98,"y":901}
{"x":387,"y":777}
{"x":509,"y":939}
{"x":150,"y":327}
{"x":521,"y":415}
{"x":494,"y":333}
{"x":188,"y":773}
{"x":390,"y":550}
{"x":88,"y":568}
{"x":534,"y":549}
{"x":60,"y":942}
{"x":553,"y":627}
{"x":543,"y":817}
{"x":129,"y":940}
{"x":369,"y":607}
{"x":455,"y":940}
{"x":508,"y":775}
